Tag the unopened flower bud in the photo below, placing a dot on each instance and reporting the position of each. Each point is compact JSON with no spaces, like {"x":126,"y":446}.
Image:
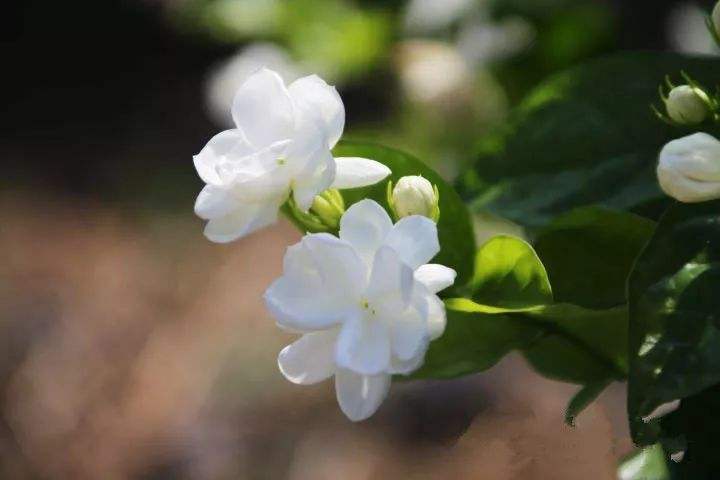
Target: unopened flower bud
{"x":328,"y":207}
{"x":688,"y":105}
{"x":414,"y":195}
{"x":689,"y":168}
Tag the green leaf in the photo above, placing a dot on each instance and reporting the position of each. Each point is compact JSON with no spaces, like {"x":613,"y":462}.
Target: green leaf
{"x":508,"y":273}
{"x":585,"y":137}
{"x":563,"y":342}
{"x":589,"y":253}
{"x":645,"y":464}
{"x":477,"y":336}
{"x":583,"y":398}
{"x":581,"y":345}
{"x":473,"y":343}
{"x":457,"y":239}
{"x":675,"y":315}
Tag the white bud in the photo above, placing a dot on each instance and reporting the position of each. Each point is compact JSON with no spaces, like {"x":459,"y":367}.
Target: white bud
{"x":689,"y":168}
{"x":414,"y":195}
{"x":688,"y":105}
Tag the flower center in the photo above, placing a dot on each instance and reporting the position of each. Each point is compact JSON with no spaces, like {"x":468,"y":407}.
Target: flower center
{"x":366,"y":306}
{"x":281,"y":161}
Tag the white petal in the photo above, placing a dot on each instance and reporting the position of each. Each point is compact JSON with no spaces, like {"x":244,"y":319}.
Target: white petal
{"x":319,"y":286}
{"x":302,"y":306}
{"x":435,"y":277}
{"x":409,"y":332}
{"x":340,"y":267}
{"x":260,"y":177}
{"x":258,"y":163}
{"x":415,"y":239}
{"x":223,"y":146}
{"x":311,"y":359}
{"x":436,"y":316}
{"x":365,"y":226}
{"x":214,"y":202}
{"x":263,"y":109}
{"x":391,"y":282}
{"x":406,"y":367}
{"x":363,"y":345}
{"x":360,"y":396}
{"x":314,"y":97}
{"x":245,"y":219}
{"x":355,"y":172}
{"x":685,"y":189}
{"x":316,"y":177}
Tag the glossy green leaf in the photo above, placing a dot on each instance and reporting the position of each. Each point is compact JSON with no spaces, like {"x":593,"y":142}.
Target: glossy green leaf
{"x":581,"y":345}
{"x":584,"y":137}
{"x":675,"y":314}
{"x":477,"y":335}
{"x":457,"y":240}
{"x":645,"y":464}
{"x":508,"y":273}
{"x":589,"y":253}
{"x":473,"y":343}
{"x":561,"y":341}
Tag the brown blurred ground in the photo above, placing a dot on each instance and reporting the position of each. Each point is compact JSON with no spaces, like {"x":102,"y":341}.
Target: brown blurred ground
{"x":134,"y":348}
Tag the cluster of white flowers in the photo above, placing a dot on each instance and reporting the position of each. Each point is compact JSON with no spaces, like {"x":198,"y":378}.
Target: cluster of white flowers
{"x":365,"y":301}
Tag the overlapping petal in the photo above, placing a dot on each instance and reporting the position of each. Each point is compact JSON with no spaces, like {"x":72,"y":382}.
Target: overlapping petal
{"x":436,"y":316}
{"x":391,"y":281}
{"x":244,"y":219}
{"x":263,"y":110}
{"x":311,"y":359}
{"x":415,"y":239}
{"x":365,"y":226}
{"x":315,"y":178}
{"x":363,"y":345}
{"x":409,"y":333}
{"x":223,"y":147}
{"x":214,"y":202}
{"x":339,"y":266}
{"x":359,"y":395}
{"x":319,"y":285}
{"x":316,"y":99}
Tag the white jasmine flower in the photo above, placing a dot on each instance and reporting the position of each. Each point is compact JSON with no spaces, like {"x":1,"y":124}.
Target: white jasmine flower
{"x":689,"y":168}
{"x":366,"y":303}
{"x":281,"y":146}
{"x":415,"y":195}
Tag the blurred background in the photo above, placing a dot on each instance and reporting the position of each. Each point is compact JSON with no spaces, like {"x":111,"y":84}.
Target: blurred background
{"x":133,"y":348}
